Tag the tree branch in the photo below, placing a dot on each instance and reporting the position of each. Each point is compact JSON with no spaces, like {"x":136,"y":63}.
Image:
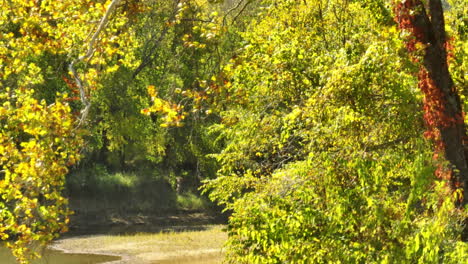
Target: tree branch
{"x":240,"y":12}
{"x":230,"y":10}
{"x":89,"y":53}
{"x":148,"y":57}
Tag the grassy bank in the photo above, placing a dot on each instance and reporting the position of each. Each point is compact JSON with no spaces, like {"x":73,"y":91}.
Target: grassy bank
{"x":96,"y":189}
{"x":104,"y":199}
{"x":202,"y":246}
{"x":143,"y":215}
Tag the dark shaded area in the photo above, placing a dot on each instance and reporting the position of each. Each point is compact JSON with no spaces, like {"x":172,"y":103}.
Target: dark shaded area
{"x":112,"y":223}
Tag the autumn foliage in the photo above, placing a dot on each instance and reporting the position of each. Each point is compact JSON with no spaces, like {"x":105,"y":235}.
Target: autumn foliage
{"x":38,"y":142}
{"x":39,"y":136}
{"x":427,"y":45}
{"x":328,"y":132}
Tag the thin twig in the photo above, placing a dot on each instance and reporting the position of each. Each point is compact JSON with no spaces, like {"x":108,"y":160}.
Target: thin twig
{"x":148,"y":56}
{"x":240,"y":12}
{"x":230,"y":10}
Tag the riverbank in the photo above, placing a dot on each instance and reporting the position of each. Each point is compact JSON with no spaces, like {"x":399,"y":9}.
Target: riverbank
{"x":202,"y":244}
{"x":135,"y":238}
{"x":171,"y":235}
{"x":111,"y":222}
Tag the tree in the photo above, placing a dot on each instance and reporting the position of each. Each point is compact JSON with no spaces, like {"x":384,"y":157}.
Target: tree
{"x":427,"y":42}
{"x":37,"y":144}
{"x":324,"y":160}
{"x":39,"y":135}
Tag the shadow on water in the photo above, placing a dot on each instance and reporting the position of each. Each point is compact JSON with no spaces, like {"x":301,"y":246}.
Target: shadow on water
{"x":58,"y":257}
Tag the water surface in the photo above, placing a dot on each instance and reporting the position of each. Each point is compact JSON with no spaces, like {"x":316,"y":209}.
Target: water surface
{"x":58,"y":257}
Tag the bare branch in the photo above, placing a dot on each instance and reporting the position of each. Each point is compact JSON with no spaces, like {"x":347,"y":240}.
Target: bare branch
{"x":240,"y":12}
{"x":232,"y":9}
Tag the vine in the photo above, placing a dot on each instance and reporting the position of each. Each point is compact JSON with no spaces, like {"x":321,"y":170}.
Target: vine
{"x":413,"y":20}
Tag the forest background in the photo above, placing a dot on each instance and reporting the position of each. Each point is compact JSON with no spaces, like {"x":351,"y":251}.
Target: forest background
{"x":309,"y":122}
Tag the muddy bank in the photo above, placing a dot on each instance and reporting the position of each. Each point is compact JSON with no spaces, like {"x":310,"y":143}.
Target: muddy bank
{"x":166,"y":236}
{"x":112,"y":222}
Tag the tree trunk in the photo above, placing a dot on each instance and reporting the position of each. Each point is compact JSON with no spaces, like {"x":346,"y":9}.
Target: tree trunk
{"x":453,"y":134}
{"x":442,"y":107}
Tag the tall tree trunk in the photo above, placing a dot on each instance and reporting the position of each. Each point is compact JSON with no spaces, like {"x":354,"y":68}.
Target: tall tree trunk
{"x":442,"y":108}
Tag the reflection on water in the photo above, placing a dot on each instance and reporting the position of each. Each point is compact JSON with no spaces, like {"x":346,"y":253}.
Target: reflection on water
{"x":58,"y":257}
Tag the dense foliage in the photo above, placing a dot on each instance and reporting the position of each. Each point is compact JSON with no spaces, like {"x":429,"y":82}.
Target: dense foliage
{"x":324,"y":161}
{"x":303,"y":119}
{"x":39,"y":135}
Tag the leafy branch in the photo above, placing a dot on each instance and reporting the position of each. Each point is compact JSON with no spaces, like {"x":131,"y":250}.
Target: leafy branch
{"x":89,"y":53}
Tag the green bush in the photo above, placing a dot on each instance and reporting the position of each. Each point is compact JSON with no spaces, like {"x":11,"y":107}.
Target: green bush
{"x":191,"y":201}
{"x":96,"y":188}
{"x":355,"y":210}
{"x":322,"y":162}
